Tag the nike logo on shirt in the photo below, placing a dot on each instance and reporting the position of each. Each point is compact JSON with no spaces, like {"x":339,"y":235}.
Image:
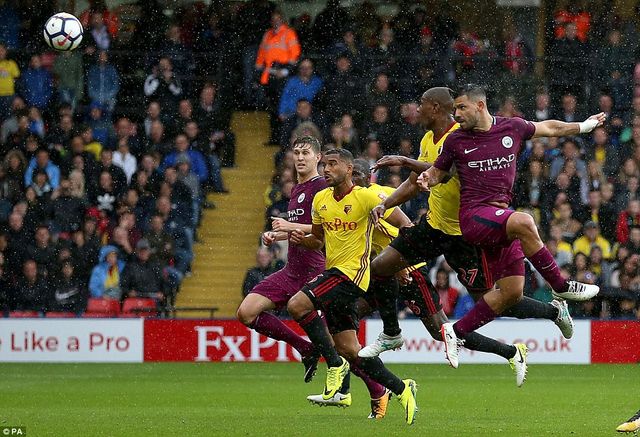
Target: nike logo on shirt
{"x":469,"y":150}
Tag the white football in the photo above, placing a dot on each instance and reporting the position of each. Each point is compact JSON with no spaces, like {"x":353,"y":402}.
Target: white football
{"x":63,"y":31}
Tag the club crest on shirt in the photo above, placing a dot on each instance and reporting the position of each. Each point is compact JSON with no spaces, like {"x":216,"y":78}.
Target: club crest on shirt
{"x":347,"y":209}
{"x":301,"y":198}
{"x":507,"y":142}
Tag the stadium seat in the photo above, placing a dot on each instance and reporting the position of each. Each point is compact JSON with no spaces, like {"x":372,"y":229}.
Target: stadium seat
{"x":23,"y":314}
{"x":139,"y":307}
{"x":106,"y":307}
{"x":60,"y":315}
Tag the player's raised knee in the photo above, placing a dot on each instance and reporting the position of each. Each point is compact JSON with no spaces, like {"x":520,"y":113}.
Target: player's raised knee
{"x":299,"y":305}
{"x":522,"y":224}
{"x":245,"y":315}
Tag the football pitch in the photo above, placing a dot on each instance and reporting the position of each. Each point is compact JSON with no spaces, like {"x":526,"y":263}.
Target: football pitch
{"x":187,"y":399}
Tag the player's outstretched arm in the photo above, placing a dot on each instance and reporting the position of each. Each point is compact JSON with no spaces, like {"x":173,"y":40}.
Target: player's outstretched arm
{"x":270,"y":237}
{"x":557,"y":128}
{"x":431,"y":178}
{"x":407,"y":190}
{"x":398,"y":160}
{"x":398,"y":219}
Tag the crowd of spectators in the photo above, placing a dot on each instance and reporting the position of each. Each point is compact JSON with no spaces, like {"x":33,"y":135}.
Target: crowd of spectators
{"x":99,"y":199}
{"x":108,"y":151}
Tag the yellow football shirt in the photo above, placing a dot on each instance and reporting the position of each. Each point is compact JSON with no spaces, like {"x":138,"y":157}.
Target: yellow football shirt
{"x":9,"y":72}
{"x":384,"y":233}
{"x":348,"y":230}
{"x":444,"y":199}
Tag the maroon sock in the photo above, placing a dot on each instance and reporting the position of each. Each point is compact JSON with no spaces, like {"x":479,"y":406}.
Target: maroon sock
{"x":478,"y":316}
{"x":271,"y":326}
{"x":544,"y":263}
{"x":376,"y":390}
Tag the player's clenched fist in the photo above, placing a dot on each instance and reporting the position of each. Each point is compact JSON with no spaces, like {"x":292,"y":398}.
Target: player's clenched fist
{"x":296,"y":236}
{"x":268,"y":238}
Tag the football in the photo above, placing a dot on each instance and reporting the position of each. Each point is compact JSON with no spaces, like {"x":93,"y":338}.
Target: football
{"x":63,"y":31}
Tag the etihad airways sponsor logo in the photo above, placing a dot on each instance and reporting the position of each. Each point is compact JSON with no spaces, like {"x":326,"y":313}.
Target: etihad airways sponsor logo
{"x":493,"y":163}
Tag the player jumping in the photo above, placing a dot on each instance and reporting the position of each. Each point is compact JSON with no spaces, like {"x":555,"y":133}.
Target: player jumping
{"x":438,"y":233}
{"x":303,"y":263}
{"x":341,"y":221}
{"x":484,"y":152}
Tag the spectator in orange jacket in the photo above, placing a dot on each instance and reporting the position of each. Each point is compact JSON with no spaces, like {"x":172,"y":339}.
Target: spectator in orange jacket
{"x":277,"y":55}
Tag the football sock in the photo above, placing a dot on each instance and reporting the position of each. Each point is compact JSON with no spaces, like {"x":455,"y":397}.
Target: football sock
{"x":376,"y":391}
{"x":376,"y":370}
{"x":546,"y":265}
{"x":478,"y":316}
{"x":385,"y":292}
{"x":478,"y":342}
{"x":529,"y":308}
{"x":271,"y":326}
{"x":317,"y":331}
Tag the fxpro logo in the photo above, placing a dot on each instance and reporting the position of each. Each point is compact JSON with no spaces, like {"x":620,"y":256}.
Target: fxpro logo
{"x":493,"y":163}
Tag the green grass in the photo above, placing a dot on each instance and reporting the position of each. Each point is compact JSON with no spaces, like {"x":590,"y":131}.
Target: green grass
{"x":262,"y":399}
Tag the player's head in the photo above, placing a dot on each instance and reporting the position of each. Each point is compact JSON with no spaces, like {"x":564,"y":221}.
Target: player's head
{"x":306,"y":153}
{"x":469,"y":105}
{"x":338,"y":166}
{"x":434,"y":103}
{"x":361,"y":174}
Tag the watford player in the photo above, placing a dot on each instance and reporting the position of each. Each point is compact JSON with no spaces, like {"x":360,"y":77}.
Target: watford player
{"x":341,"y":221}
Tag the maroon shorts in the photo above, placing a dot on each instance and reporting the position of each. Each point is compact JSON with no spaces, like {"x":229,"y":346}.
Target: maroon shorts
{"x":280,"y":286}
{"x":486,"y":226}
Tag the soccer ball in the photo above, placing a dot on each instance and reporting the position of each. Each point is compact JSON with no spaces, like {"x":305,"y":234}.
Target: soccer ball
{"x":63,"y":31}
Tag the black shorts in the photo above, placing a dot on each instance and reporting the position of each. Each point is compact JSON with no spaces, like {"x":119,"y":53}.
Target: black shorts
{"x":423,"y":243}
{"x":335,"y":295}
{"x":419,"y":295}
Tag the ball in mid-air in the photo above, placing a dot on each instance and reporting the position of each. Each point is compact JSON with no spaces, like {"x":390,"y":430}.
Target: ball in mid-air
{"x":63,"y":31}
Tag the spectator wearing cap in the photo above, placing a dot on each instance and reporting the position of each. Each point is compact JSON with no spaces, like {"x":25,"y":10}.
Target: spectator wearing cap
{"x":41,"y":162}
{"x":143,"y":277}
{"x":105,"y":278}
{"x":592,"y":238}
{"x":304,"y":85}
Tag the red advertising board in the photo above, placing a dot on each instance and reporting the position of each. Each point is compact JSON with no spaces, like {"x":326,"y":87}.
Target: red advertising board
{"x":214,"y":340}
{"x":615,"y":341}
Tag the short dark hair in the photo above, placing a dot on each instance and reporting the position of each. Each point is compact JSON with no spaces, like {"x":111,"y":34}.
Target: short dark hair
{"x":362,"y":165}
{"x":343,"y":154}
{"x":473,"y":90}
{"x":308,"y":140}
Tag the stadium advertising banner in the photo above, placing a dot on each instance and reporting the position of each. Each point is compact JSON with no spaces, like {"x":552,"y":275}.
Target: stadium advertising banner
{"x":545,"y":343}
{"x":137,"y":340}
{"x":70,"y":340}
{"x":213,"y":340}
